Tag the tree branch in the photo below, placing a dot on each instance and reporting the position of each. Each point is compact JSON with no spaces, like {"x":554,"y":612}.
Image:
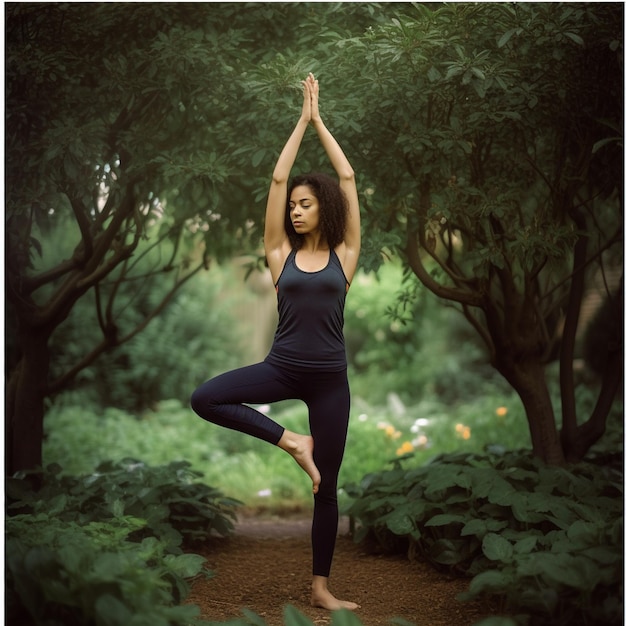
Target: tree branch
{"x":112,"y":340}
{"x":415,"y":263}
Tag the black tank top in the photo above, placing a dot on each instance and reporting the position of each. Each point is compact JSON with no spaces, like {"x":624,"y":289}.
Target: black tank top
{"x":310,"y":317}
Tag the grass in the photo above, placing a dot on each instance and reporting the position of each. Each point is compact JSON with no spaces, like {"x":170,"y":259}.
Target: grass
{"x":263,"y":476}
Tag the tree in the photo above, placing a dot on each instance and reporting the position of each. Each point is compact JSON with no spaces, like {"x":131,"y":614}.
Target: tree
{"x":131,"y":123}
{"x":114,"y":126}
{"x":127,"y":124}
{"x":495,"y":130}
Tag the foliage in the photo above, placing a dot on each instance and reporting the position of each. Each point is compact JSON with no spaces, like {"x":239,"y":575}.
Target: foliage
{"x":400,"y":340}
{"x":105,"y":549}
{"x":492,"y":184}
{"x":486,"y":138}
{"x":136,"y":145}
{"x":71,"y":573}
{"x":544,"y":542}
{"x":192,"y":340}
{"x":263,"y":476}
{"x":178,"y":506}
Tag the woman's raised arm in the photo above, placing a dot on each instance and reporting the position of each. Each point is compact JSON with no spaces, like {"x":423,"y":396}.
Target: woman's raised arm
{"x":350,"y":249}
{"x":275,"y":238}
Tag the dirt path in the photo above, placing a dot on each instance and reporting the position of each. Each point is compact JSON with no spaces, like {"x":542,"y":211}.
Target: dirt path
{"x":266,"y":565}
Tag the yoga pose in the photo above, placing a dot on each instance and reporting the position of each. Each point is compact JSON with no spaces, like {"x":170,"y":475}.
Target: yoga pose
{"x":312,"y":240}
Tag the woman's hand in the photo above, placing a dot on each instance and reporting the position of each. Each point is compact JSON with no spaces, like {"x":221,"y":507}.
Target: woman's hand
{"x":315,"y":92}
{"x":306,"y":101}
{"x":310,"y":106}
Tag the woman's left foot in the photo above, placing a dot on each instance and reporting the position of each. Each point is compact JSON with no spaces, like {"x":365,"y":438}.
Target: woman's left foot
{"x":323,"y":599}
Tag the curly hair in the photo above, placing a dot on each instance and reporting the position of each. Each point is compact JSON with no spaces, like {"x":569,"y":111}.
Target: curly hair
{"x":333,"y":207}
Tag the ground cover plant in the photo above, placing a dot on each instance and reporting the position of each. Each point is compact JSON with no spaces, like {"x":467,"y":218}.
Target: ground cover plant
{"x":543,"y":544}
{"x":107,"y":548}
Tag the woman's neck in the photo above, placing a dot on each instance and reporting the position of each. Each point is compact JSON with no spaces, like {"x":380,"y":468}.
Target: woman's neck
{"x":314,"y":243}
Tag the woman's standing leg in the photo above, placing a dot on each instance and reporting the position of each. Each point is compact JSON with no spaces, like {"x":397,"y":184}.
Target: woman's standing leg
{"x":328,"y":399}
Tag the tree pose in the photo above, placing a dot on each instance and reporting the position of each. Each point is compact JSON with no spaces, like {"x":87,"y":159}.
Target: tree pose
{"x":312,"y":242}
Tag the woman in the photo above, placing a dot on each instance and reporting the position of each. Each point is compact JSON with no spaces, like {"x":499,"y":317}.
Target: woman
{"x":312,"y":241}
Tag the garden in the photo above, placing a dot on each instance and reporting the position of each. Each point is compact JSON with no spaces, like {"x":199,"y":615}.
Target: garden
{"x":483,"y":471}
{"x":437,"y":468}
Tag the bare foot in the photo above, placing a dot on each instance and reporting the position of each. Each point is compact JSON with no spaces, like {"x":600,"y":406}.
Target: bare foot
{"x":301,"y":449}
{"x":322,"y":598}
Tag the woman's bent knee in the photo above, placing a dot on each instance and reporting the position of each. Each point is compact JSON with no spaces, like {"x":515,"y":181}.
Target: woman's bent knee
{"x":201,"y":401}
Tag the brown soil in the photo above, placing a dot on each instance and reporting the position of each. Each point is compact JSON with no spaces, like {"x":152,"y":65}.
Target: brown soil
{"x":266,"y":565}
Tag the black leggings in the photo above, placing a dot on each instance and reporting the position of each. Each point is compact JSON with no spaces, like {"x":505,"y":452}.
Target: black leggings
{"x":327,"y":396}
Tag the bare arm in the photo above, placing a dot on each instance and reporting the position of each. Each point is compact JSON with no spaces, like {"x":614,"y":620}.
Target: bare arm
{"x":275,"y":237}
{"x":348,"y":251}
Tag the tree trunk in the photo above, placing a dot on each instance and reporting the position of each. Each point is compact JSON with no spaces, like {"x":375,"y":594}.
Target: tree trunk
{"x":529,"y":381}
{"x":26,"y":392}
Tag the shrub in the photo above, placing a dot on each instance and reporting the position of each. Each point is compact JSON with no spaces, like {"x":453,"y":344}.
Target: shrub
{"x":62,"y":572}
{"x":545,"y":542}
{"x":105,"y":549}
{"x":174,"y":504}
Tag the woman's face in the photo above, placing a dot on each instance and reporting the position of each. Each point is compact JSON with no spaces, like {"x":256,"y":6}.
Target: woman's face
{"x":304,"y":210}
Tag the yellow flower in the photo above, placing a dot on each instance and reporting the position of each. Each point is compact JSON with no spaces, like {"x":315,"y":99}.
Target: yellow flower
{"x":405,"y":448}
{"x":501,"y":411}
{"x":390,"y":431}
{"x":463,"y":431}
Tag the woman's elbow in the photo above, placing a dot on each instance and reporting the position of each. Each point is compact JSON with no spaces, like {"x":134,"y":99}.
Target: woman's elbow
{"x":347,"y":174}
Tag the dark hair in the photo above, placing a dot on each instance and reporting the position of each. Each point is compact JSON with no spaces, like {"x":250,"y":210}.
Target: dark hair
{"x":333,"y":207}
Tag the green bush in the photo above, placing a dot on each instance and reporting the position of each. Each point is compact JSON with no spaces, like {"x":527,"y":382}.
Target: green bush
{"x":174,"y":504}
{"x":66,"y":573}
{"x":545,"y":542}
{"x":106,"y":548}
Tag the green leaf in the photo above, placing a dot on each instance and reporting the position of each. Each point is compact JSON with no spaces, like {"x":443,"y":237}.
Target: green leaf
{"x":252,"y":618}
{"x":575,"y":38}
{"x":505,"y":37}
{"x":480,"y":527}
{"x":400,"y":524}
{"x":291,"y":615}
{"x":258,"y":157}
{"x":478,"y":73}
{"x":603,"y":142}
{"x":526,"y":545}
{"x":110,"y":611}
{"x":583,"y":533}
{"x":491,"y":581}
{"x":497,"y":548}
{"x":343,"y":617}
{"x":185,"y":565}
{"x":433,"y":74}
{"x":444,"y":519}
